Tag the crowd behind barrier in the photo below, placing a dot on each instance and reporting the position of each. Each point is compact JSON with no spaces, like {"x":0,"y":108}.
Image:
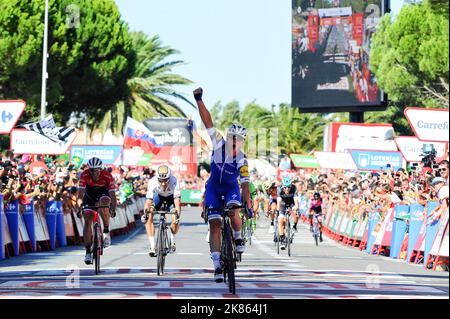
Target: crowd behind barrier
{"x":402,"y":214}
{"x":38,"y":198}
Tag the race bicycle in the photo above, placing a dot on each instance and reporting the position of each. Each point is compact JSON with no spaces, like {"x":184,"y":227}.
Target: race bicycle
{"x":229,"y":255}
{"x":247,"y":229}
{"x":163,"y":243}
{"x":97,"y":240}
{"x":289,"y":234}
{"x":316,"y":229}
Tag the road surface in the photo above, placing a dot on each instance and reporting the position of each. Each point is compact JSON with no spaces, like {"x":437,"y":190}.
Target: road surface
{"x":327,"y":271}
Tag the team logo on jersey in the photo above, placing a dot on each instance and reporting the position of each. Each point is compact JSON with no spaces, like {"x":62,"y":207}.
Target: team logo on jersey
{"x":218,"y":136}
{"x":244,"y":171}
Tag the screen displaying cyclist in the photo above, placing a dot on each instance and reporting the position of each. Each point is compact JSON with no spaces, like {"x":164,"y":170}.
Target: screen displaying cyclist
{"x":163,"y":189}
{"x":270,"y":202}
{"x":315,"y":209}
{"x":286,"y":198}
{"x":96,"y":188}
{"x":228,"y":163}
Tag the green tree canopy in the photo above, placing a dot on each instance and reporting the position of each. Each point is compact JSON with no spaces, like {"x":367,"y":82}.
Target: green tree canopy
{"x":410,"y":58}
{"x":90,"y":55}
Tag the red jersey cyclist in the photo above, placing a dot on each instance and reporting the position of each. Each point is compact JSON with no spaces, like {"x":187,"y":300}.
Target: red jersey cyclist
{"x":97,"y":188}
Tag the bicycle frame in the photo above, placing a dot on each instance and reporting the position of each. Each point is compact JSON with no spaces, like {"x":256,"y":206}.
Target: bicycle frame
{"x":163,"y":240}
{"x":97,"y":240}
{"x":228,"y":250}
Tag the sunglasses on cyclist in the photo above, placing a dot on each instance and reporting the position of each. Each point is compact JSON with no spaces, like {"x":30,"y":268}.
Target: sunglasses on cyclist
{"x":163,"y":180}
{"x":95,"y":170}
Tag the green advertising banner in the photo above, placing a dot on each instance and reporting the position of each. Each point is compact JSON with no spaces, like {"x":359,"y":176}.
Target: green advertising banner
{"x":304,"y":161}
{"x":145,"y":160}
{"x":189,"y":196}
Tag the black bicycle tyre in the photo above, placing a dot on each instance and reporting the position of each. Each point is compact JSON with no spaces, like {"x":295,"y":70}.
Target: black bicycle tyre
{"x":96,"y":246}
{"x":160,"y":254}
{"x":230,"y":263}
{"x":288,"y":233}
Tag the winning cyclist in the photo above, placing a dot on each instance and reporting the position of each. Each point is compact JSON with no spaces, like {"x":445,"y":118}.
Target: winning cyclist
{"x":315,"y":208}
{"x":270,"y":202}
{"x":286,"y":198}
{"x":96,"y":188}
{"x":228,"y":162}
{"x":163,"y":188}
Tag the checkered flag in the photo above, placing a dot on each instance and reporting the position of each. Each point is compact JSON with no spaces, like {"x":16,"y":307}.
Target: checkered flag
{"x":47,"y":128}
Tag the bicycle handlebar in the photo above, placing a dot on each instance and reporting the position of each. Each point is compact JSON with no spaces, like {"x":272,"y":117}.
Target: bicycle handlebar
{"x":95,"y":207}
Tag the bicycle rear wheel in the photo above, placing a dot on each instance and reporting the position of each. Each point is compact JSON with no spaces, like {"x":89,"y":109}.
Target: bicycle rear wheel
{"x":161,"y":250}
{"x":288,"y":236}
{"x":229,"y":260}
{"x":97,"y":247}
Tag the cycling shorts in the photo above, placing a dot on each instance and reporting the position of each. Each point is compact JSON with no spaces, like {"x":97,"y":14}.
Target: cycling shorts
{"x":94,"y":195}
{"x":213,"y":197}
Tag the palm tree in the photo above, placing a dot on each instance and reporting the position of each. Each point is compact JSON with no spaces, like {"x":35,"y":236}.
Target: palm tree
{"x":150,"y":87}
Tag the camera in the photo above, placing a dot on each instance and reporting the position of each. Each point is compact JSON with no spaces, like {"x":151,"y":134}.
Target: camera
{"x":428,"y":155}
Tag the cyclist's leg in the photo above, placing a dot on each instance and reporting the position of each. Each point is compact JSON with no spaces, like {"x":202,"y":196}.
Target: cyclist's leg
{"x":175,"y":226}
{"x":212,"y":200}
{"x":105,"y":200}
{"x":87,"y":231}
{"x":282,"y":220}
{"x":149,"y":226}
{"x":273,"y":215}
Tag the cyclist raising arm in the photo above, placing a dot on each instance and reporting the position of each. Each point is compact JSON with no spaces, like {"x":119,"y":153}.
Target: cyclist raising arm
{"x":97,"y":188}
{"x":228,"y":163}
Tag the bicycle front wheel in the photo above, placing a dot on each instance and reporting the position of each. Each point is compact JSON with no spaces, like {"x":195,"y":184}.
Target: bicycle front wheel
{"x":161,"y":250}
{"x":97,"y":247}
{"x":288,"y":236}
{"x":229,"y":263}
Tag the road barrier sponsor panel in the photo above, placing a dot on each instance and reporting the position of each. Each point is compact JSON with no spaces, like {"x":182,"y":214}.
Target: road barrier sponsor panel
{"x":398,"y":229}
{"x":384,"y":235}
{"x":2,"y":230}
{"x":431,"y":230}
{"x":50,"y":217}
{"x":443,"y":251}
{"x":28,"y":218}
{"x":373,"y":231}
{"x":60,"y":226}
{"x":12,"y":216}
{"x":415,"y":225}
{"x":434,"y":251}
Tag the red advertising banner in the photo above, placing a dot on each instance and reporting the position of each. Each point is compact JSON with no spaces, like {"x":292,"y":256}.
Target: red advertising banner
{"x":180,"y":159}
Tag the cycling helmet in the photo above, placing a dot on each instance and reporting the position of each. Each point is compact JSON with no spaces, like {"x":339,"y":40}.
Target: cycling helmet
{"x":268,"y":185}
{"x":286,"y":182}
{"x":236,"y":129}
{"x":94,"y":163}
{"x":163,"y":172}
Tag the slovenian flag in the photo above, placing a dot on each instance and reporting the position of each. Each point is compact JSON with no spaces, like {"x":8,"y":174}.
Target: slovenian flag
{"x":137,"y":134}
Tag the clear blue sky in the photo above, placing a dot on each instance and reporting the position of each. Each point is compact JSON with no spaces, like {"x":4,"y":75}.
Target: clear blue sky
{"x":234,"y":49}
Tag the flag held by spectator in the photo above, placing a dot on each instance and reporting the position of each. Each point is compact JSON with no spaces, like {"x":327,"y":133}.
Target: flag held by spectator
{"x":47,"y":128}
{"x":137,"y":134}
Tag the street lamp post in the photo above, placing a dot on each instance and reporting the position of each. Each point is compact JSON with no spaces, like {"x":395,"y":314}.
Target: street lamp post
{"x":44,"y":64}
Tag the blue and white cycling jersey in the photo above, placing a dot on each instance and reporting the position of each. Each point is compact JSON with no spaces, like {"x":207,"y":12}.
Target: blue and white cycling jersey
{"x":225,"y":171}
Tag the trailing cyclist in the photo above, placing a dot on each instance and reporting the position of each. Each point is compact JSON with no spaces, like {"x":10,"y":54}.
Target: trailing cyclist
{"x":286,"y":199}
{"x":97,"y":188}
{"x":315,"y":209}
{"x":270,"y":202}
{"x":228,"y":163}
{"x":162,"y":189}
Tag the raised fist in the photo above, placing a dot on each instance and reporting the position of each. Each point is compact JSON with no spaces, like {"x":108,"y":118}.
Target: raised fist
{"x":198,"y":94}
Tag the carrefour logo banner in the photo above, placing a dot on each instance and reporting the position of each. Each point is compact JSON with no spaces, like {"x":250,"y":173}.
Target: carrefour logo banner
{"x":371,"y":160}
{"x":107,"y":153}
